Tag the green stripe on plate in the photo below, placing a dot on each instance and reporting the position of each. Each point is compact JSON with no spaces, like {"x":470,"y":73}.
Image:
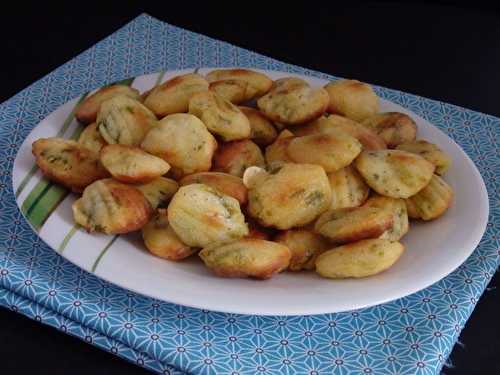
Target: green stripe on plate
{"x":76,"y":134}
{"x":66,"y":124}
{"x":40,"y":188}
{"x":48,"y":201}
{"x":103,"y":251}
{"x":26,"y":179}
{"x":126,"y":82}
{"x":71,"y":116}
{"x":67,"y":238}
{"x":160,"y":77}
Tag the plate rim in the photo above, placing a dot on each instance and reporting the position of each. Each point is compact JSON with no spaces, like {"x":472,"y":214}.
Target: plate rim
{"x":479,"y":230}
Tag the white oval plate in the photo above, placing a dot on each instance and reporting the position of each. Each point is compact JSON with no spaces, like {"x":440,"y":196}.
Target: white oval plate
{"x":433,"y":249}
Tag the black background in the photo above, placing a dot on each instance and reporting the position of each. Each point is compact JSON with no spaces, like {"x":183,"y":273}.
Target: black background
{"x":441,"y":50}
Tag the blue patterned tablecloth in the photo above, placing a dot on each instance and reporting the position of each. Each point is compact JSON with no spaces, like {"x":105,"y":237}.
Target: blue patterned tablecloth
{"x":412,"y":335}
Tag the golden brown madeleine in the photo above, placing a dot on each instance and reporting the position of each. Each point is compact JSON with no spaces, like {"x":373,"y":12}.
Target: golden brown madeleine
{"x":394,"y":173}
{"x":352,"y":99}
{"x":258,"y":259}
{"x":332,"y":151}
{"x":173,"y":95}
{"x":183,"y":141}
{"x":235,"y":157}
{"x":433,"y":200}
{"x":397,"y":206}
{"x":161,"y":240}
{"x":131,"y":164}
{"x":257,"y":83}
{"x":262,"y":132}
{"x":353,"y":224}
{"x":290,"y":196}
{"x":88,"y":109}
{"x":430,"y":152}
{"x":220,"y":116}
{"x":304,"y":245}
{"x":276,"y":152}
{"x":324,"y":124}
{"x":348,"y":188}
{"x":393,"y":127}
{"x":201,"y":215}
{"x":225,"y":183}
{"x":292,"y":101}
{"x":233,"y":90}
{"x":359,"y":259}
{"x":124,"y":121}
{"x":68,"y":163}
{"x":159,"y":191}
{"x":111,"y":207}
{"x":91,"y":138}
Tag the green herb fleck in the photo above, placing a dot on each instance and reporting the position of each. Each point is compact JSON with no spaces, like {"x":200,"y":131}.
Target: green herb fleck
{"x":275,"y":169}
{"x":297,"y":193}
{"x":199,"y":146}
{"x":99,"y":228}
{"x":314,"y":198}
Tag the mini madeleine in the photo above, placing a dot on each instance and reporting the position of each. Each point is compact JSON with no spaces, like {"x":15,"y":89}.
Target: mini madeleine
{"x":111,"y":207}
{"x":432,"y":201}
{"x":68,"y":163}
{"x":359,"y":259}
{"x":173,"y":95}
{"x":131,"y":164}
{"x":125,"y":121}
{"x":292,"y":101}
{"x":248,"y":257}
{"x":183,"y":141}
{"x":201,"y":215}
{"x":290,"y":196}
{"x":394,"y":173}
{"x":352,"y":99}
{"x":353,"y":224}
{"x":257,"y":84}
{"x":161,"y":240}
{"x":220,"y":116}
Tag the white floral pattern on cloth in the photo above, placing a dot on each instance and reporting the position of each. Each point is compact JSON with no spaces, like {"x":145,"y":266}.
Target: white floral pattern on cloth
{"x":412,"y":335}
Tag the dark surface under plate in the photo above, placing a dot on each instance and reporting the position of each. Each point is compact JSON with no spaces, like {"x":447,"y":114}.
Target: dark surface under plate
{"x":443,"y":52}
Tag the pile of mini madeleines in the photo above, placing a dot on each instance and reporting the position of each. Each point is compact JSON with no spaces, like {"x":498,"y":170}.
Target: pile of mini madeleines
{"x":255,"y":176}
